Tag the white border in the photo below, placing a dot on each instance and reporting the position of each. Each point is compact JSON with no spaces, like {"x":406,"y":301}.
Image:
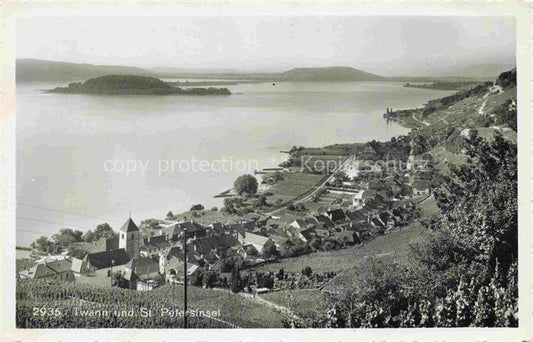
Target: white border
{"x":12,"y":10}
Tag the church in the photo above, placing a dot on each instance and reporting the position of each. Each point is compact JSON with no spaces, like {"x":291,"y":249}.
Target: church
{"x":125,"y":259}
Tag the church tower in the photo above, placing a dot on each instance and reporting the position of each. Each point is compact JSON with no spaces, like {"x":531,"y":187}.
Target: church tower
{"x":129,"y":238}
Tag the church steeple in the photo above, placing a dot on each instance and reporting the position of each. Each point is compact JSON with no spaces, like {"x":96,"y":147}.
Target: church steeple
{"x":129,"y":238}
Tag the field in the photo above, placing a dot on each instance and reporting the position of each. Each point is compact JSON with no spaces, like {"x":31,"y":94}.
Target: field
{"x":293,"y":185}
{"x":339,"y":260}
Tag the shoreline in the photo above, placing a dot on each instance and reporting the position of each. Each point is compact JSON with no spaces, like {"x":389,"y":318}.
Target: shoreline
{"x":281,"y":152}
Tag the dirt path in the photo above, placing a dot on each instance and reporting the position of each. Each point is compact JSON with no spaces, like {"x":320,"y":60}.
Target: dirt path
{"x":422,"y":122}
{"x":482,"y":107}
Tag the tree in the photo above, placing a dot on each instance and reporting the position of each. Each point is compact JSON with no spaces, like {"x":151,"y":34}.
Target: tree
{"x":89,"y":236}
{"x":119,"y":280}
{"x":66,"y":237}
{"x":281,"y":274}
{"x":232,"y":204}
{"x":150,"y":223}
{"x":479,"y":202}
{"x":236,"y":281}
{"x":260,"y":201}
{"x":270,"y":250}
{"x":105,"y":231}
{"x":246,"y":183}
{"x":43,"y":244}
{"x":197,"y":207}
{"x":170,"y":215}
{"x":210,"y":279}
{"x":307,"y":271}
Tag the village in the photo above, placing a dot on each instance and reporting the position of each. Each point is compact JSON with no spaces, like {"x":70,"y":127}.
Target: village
{"x":372,"y":194}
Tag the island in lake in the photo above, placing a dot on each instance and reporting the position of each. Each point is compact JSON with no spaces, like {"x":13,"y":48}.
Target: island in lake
{"x":132,"y":85}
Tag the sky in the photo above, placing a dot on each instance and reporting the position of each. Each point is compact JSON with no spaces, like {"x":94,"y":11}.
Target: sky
{"x":384,"y":45}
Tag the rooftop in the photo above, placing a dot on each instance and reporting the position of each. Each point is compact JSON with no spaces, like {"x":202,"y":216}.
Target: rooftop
{"x":129,"y":226}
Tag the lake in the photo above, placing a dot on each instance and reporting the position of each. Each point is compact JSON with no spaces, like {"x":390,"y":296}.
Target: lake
{"x":102,"y":156}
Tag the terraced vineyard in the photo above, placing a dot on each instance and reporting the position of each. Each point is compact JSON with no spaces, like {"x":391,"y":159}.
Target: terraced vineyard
{"x":86,"y":306}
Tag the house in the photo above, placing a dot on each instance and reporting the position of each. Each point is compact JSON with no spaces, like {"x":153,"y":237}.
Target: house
{"x":376,"y":205}
{"x":356,"y":216}
{"x":144,"y":268}
{"x":57,"y":269}
{"x":78,"y":266}
{"x":421,"y":188}
{"x":234,"y":228}
{"x":258,"y":241}
{"x":299,"y":224}
{"x":337,"y":216}
{"x":171,"y":232}
{"x":307,"y":235}
{"x":101,"y":262}
{"x":324,"y":222}
{"x":389,"y":220}
{"x":175,"y":267}
{"x":154,"y":245}
{"x":305,"y":223}
{"x":377,"y":226}
{"x":194,"y":230}
{"x":215,"y":245}
{"x":246,"y":251}
{"x":279,"y":240}
{"x":216,"y":228}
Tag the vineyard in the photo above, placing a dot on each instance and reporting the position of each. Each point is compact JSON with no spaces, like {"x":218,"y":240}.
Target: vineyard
{"x":54,"y":304}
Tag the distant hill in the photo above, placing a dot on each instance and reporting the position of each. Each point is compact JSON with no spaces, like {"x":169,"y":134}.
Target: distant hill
{"x":329,"y":74}
{"x":481,"y":70}
{"x":132,"y":85}
{"x":35,"y":70}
